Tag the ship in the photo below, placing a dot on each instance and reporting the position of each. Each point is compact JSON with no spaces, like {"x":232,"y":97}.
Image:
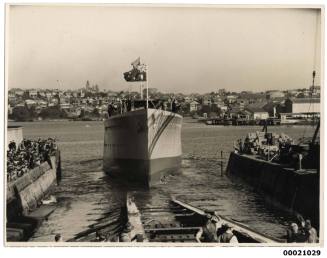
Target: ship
{"x":142,"y":143}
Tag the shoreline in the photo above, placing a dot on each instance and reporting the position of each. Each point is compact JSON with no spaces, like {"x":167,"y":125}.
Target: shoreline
{"x":186,"y":119}
{"x":56,"y":120}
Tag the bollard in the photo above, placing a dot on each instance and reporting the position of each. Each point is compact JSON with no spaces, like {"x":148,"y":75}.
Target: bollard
{"x":221,"y":163}
{"x":300,"y":161}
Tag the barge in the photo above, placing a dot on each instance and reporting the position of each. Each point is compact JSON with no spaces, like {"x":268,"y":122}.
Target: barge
{"x":288,"y":174}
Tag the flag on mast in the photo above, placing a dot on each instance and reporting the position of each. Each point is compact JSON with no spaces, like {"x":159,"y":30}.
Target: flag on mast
{"x":138,"y":73}
{"x":136,"y":63}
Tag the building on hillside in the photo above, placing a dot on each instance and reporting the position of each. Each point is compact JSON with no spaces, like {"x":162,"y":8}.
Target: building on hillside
{"x":223,"y":109}
{"x":10,"y":109}
{"x":315,"y":91}
{"x":30,"y":102}
{"x":42,"y":104}
{"x":293,"y":93}
{"x":54,"y":101}
{"x":82,"y":93}
{"x":41,"y":93}
{"x":65,"y":105}
{"x":274,"y":108}
{"x":302,"y":105}
{"x":242,"y":103}
{"x":194,"y":106}
{"x":48,"y":95}
{"x":67,"y":94}
{"x":206,"y":101}
{"x":257,"y":113}
{"x":32,"y":94}
{"x":11,"y":94}
{"x":237,"y":113}
{"x":187,"y":100}
{"x":252,"y":98}
{"x":231,"y":99}
{"x":221,"y":92}
{"x":19,"y":92}
{"x":274,"y":94}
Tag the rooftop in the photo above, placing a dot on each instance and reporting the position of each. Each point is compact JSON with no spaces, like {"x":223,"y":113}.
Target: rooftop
{"x":305,"y":100}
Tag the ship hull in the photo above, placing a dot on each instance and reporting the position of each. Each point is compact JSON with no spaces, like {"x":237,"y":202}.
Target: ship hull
{"x":295,"y":191}
{"x":143,"y":146}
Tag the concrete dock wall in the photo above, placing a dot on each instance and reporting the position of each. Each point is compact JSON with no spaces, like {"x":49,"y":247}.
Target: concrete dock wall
{"x":24,"y":194}
{"x":295,"y":191}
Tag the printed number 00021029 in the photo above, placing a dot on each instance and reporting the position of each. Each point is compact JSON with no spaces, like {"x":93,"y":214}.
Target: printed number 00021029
{"x":301,"y":252}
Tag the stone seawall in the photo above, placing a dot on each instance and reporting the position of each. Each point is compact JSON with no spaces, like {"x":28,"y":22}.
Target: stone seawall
{"x":24,"y":194}
{"x":293,"y":190}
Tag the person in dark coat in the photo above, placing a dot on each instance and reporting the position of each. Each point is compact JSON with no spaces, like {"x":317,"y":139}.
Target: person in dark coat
{"x":173,"y":106}
{"x":110,"y":109}
{"x":311,"y":232}
{"x":228,"y":236}
{"x":295,"y":235}
{"x":208,"y":232}
{"x":12,"y":146}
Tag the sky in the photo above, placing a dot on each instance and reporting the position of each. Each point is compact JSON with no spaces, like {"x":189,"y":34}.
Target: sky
{"x":188,"y":50}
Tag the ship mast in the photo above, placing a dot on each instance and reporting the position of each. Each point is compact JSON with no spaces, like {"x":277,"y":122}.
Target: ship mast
{"x":312,"y":90}
{"x":316,"y":133}
{"x":318,"y":125}
{"x":313,"y":81}
{"x":141,"y":90}
{"x":147,"y":87}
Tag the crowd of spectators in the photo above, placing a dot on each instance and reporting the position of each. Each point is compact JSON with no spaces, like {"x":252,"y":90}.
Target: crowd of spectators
{"x":28,"y":155}
{"x":302,"y":232}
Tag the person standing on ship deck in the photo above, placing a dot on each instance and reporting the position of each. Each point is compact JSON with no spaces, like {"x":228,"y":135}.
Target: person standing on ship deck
{"x":129,"y":104}
{"x":110,"y":109}
{"x":173,"y":106}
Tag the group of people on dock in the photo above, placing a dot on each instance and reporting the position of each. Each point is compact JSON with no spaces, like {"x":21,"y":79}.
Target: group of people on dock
{"x":28,"y":155}
{"x":302,"y":232}
{"x":213,"y":231}
{"x":262,"y":143}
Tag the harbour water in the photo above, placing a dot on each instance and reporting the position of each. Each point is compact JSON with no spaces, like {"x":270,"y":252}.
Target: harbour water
{"x":86,"y":193}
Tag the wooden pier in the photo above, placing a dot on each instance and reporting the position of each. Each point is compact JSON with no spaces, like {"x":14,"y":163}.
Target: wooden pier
{"x":181,"y":222}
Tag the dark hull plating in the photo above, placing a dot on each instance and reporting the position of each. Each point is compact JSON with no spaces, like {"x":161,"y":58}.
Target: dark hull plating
{"x":144,"y":172}
{"x":294,"y":190}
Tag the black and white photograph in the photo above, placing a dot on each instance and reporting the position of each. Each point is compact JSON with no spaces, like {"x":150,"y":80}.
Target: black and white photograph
{"x":163,"y":125}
